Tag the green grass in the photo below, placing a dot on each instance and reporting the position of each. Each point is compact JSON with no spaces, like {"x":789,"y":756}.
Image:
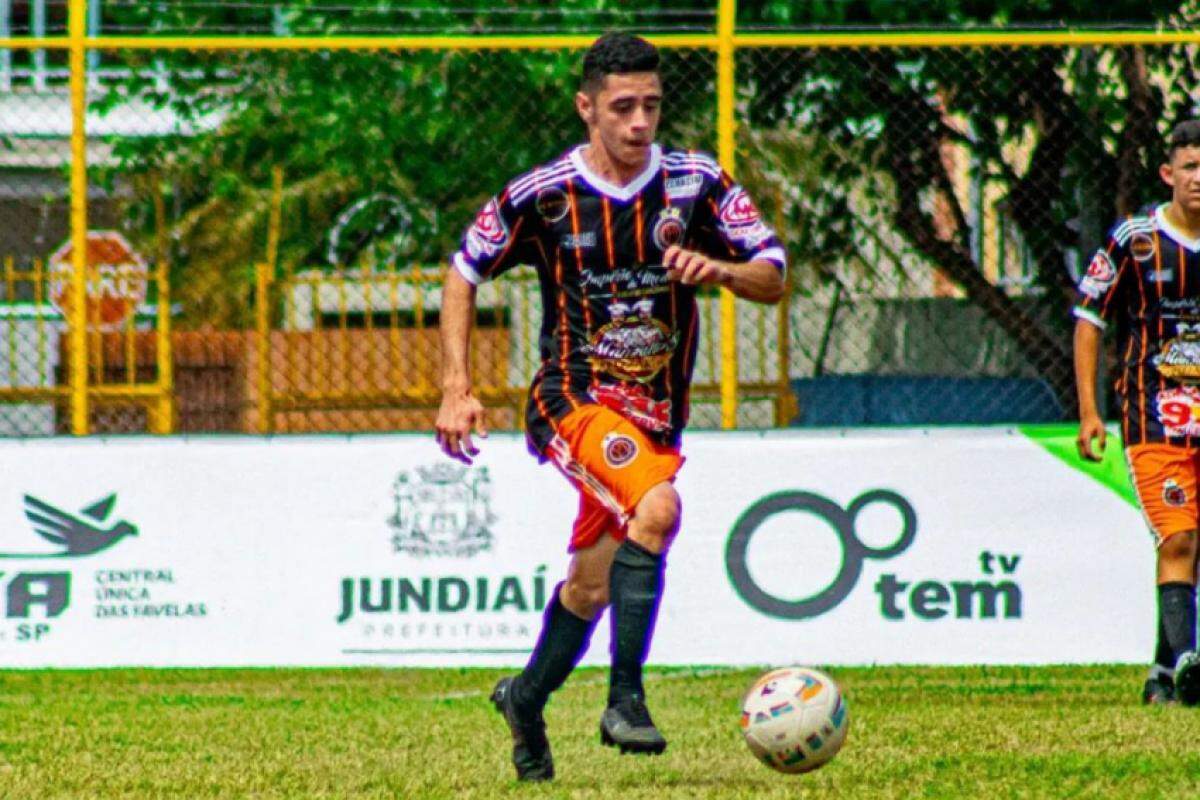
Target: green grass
{"x":929,"y":732}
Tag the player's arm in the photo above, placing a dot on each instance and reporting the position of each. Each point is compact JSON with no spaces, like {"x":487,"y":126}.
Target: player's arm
{"x":1088,"y":337}
{"x":1099,"y":292}
{"x":758,"y":280}
{"x":460,"y":412}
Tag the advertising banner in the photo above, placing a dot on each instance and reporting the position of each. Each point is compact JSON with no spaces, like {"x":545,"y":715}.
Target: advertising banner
{"x":898,"y":546}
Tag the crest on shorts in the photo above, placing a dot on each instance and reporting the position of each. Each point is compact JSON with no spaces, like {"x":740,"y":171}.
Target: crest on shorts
{"x":1173,"y":494}
{"x":442,"y":510}
{"x":619,"y":450}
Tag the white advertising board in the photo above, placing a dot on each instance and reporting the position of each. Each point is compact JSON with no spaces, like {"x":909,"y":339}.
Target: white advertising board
{"x":948,"y":546}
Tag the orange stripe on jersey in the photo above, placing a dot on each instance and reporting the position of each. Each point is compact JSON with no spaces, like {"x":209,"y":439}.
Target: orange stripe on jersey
{"x":587,"y":304}
{"x":1182,"y":269}
{"x":1158,"y":281}
{"x":638,"y":233}
{"x":564,"y":339}
{"x":688,"y":347}
{"x":716,"y":210}
{"x":608,"y":231}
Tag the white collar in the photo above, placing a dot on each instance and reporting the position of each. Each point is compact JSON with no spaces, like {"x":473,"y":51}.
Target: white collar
{"x":1161,"y":218}
{"x":622,"y":193}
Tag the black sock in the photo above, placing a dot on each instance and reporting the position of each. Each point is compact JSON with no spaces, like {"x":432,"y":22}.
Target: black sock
{"x":563,"y":641}
{"x":1164,"y":654}
{"x":635,"y":588}
{"x":1177,"y":615}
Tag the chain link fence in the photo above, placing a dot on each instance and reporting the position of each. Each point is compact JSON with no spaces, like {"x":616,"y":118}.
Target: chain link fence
{"x":300,"y":204}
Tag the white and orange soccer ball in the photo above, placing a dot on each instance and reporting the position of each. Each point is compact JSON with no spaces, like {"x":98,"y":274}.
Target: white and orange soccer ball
{"x":794,"y":719}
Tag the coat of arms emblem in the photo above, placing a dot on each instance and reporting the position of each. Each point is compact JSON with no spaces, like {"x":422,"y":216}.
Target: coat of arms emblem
{"x":444,"y":510}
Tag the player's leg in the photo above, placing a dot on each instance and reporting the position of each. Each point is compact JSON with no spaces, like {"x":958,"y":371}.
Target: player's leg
{"x":636,"y":587}
{"x":567,"y":626}
{"x":1165,"y":480}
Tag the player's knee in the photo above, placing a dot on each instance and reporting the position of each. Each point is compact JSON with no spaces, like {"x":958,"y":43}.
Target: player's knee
{"x":585,"y":599}
{"x":1179,"y":548}
{"x":656,"y":519}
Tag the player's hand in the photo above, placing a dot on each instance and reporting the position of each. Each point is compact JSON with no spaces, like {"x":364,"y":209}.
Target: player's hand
{"x":1091,"y":427}
{"x":460,"y":414}
{"x":693,"y":269}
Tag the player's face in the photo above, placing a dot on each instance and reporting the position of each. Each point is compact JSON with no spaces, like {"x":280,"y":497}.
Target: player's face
{"x":622,"y":117}
{"x":1182,"y":174}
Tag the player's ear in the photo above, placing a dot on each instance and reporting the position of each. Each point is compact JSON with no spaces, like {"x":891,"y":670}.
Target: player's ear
{"x":1164,"y":172}
{"x":584,"y":105}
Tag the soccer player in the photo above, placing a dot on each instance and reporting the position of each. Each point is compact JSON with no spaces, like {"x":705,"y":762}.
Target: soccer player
{"x":623,"y":233}
{"x":1147,"y":278}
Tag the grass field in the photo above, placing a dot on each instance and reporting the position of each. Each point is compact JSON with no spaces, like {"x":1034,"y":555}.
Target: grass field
{"x":936,"y":732}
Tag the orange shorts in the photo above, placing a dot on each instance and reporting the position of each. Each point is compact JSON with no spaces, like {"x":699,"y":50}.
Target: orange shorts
{"x":1164,"y":477}
{"x":612,"y":463}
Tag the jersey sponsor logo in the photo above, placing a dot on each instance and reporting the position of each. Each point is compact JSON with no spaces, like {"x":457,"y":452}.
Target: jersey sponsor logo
{"x":1173,"y":494}
{"x":619,"y":450}
{"x":1160,"y":275}
{"x":1179,"y":359}
{"x":668,"y":228}
{"x":552,"y":204}
{"x":1141,"y":247}
{"x":488,"y":235}
{"x":633,"y":401}
{"x":684,"y":186}
{"x":572,"y":241}
{"x":1099,"y":276}
{"x":1178,"y":410}
{"x":634,"y":346}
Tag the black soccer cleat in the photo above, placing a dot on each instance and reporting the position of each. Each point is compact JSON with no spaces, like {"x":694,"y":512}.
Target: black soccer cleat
{"x":1187,"y":678}
{"x":1159,"y":691}
{"x":627,"y":725}
{"x":531,"y":749}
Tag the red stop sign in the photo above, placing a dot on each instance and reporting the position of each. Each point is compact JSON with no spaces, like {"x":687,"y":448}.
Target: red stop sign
{"x":116,"y":284}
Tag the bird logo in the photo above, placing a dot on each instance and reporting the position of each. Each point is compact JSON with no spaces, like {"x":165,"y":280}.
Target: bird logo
{"x":81,"y":535}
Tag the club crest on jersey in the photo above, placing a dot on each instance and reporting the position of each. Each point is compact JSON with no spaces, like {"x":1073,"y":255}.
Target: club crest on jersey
{"x":619,"y":450}
{"x":488,"y":235}
{"x":684,"y":186}
{"x":1099,"y":276}
{"x":1141,"y":247}
{"x":634,"y":346}
{"x":1179,"y":359}
{"x":1173,"y":494}
{"x":552,"y":204}
{"x":668,"y":228}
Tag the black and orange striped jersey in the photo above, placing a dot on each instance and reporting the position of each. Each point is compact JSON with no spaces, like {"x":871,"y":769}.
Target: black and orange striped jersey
{"x":1147,"y":280}
{"x":614,"y":329}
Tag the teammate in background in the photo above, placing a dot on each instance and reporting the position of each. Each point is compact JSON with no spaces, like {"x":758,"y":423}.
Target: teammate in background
{"x":1147,"y":278}
{"x":623,"y":233}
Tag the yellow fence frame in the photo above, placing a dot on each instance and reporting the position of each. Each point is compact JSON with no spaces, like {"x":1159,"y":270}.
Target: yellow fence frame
{"x":724,"y":41}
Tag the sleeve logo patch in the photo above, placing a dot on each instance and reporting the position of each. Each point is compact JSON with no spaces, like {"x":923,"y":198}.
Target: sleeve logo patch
{"x":488,"y":234}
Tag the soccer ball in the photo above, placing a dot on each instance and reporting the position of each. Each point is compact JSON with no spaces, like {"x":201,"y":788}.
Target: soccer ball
{"x":794,"y":719}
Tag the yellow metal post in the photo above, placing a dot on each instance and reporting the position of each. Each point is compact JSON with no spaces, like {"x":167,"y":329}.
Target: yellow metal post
{"x":163,"y":418}
{"x":263,"y":275}
{"x":726,"y":13}
{"x":77,"y":318}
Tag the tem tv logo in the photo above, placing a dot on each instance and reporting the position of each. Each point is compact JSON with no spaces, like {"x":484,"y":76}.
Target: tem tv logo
{"x":995,"y":594}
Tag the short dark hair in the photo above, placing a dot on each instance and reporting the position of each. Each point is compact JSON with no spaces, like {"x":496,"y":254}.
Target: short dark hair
{"x":617,"y":54}
{"x":1185,"y":134}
